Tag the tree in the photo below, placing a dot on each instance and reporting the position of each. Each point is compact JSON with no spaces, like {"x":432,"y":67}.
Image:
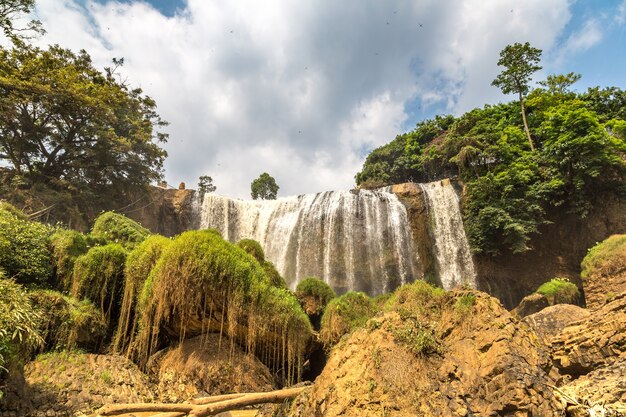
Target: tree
{"x":12,"y":10}
{"x":66,"y":124}
{"x":520,"y":62}
{"x":264,"y":187}
{"x":205,"y":185}
{"x":559,"y":84}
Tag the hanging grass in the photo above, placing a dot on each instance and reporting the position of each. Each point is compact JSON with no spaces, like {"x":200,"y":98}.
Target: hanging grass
{"x":276,"y":280}
{"x":253,"y":248}
{"x":343,"y":315}
{"x":116,"y":228}
{"x":139,"y":263}
{"x":24,"y":252}
{"x":68,"y":323}
{"x":67,"y":246}
{"x":202,"y":283}
{"x":314,"y":294}
{"x":99,"y":277}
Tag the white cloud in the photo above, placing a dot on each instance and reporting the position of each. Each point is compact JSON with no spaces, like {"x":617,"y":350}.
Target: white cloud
{"x":299,"y":89}
{"x":589,"y":35}
{"x":620,"y":16}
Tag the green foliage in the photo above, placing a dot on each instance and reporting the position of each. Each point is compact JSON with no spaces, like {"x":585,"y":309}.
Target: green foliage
{"x":316,"y":289}
{"x":99,"y":277}
{"x":465,"y":303}
{"x":205,"y":185}
{"x":68,"y":323}
{"x":276,"y":280}
{"x":24,"y":253}
{"x":264,"y":187}
{"x":344,"y":314}
{"x":560,"y":291}
{"x":67,"y":245}
{"x":66,"y":124}
{"x":419,"y":338}
{"x":605,"y":258}
{"x":18,"y":324}
{"x":418,"y":300}
{"x":12,"y":11}
{"x":253,"y":248}
{"x":520,"y":62}
{"x":116,"y":228}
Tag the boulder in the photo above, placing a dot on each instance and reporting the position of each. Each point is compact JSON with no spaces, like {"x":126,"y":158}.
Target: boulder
{"x":549,"y":322}
{"x":531,"y":304}
{"x":470,"y":358}
{"x":594,"y":341}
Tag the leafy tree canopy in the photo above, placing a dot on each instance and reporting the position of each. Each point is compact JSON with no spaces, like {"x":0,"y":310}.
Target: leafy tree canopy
{"x":264,"y":187}
{"x":66,"y":124}
{"x":205,"y":185}
{"x":10,"y":12}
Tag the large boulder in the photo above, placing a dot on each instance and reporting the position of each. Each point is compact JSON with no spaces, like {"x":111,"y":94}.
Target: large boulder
{"x":207,"y":365}
{"x":531,"y":304}
{"x":594,"y":341}
{"x":549,"y":322}
{"x":463,"y":355}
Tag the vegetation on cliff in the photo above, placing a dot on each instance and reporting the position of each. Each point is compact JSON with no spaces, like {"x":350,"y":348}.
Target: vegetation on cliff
{"x":580,"y":147}
{"x":314,"y":295}
{"x":67,"y":245}
{"x":344,"y":314}
{"x":560,"y":291}
{"x":114,"y":227}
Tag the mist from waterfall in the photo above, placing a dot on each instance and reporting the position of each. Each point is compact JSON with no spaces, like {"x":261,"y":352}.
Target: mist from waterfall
{"x":452,"y":252}
{"x":353,"y":240}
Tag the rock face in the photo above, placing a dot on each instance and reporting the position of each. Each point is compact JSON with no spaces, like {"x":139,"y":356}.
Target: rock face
{"x":167,"y":212}
{"x":531,"y":304}
{"x":604,"y":271}
{"x":594,"y":341}
{"x":69,"y":384}
{"x":550,"y":321}
{"x":486,"y":364}
{"x":201,"y":367}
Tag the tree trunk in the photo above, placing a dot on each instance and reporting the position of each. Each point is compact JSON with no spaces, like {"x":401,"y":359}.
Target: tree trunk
{"x":530,"y":141}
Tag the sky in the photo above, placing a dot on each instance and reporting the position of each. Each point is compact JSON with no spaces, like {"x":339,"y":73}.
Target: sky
{"x":304,"y":90}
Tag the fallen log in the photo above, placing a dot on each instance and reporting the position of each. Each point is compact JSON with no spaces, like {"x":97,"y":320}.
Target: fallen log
{"x":202,"y":407}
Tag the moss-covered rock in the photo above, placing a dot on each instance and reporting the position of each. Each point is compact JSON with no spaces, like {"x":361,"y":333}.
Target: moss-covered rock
{"x":99,"y":277}
{"x":604,"y":271}
{"x":344,"y":314}
{"x":68,"y":323}
{"x":560,"y":291}
{"x":24,"y":252}
{"x":273,"y":275}
{"x":116,"y":228}
{"x":67,"y":246}
{"x":314,"y":295}
{"x":253,"y":248}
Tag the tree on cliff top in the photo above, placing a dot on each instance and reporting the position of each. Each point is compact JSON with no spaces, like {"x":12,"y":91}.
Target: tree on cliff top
{"x":66,"y":124}
{"x":520,"y":62}
{"x":264,"y":187}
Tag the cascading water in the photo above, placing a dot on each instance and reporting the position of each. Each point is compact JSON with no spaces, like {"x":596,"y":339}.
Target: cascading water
{"x":453,"y":256}
{"x":355,"y":241}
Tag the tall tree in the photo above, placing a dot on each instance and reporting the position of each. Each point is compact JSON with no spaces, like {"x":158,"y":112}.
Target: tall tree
{"x":520,"y":62}
{"x":11,"y":11}
{"x":264,"y":187}
{"x":65,"y":123}
{"x":205,"y":185}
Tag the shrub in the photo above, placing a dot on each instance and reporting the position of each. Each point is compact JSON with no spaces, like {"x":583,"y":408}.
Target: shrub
{"x":67,"y":245}
{"x":419,"y":300}
{"x":465,"y":303}
{"x":117,"y":228}
{"x":344,"y":314}
{"x":560,"y":291}
{"x":68,"y":323}
{"x":253,"y":248}
{"x":276,"y":280}
{"x":139,"y":264}
{"x":419,"y":338}
{"x":314,"y":294}
{"x":99,"y":276}
{"x":605,"y":258}
{"x":24,"y":253}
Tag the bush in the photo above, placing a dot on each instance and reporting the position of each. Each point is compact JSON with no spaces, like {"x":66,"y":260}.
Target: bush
{"x":18,"y":325}
{"x":99,"y":276}
{"x":344,"y":314}
{"x":560,"y":291}
{"x":276,"y":280}
{"x":314,"y":294}
{"x":67,"y":246}
{"x":117,"y":228}
{"x":68,"y":323}
{"x":24,"y":253}
{"x":139,"y":264}
{"x":418,"y":300}
{"x":253,"y":248}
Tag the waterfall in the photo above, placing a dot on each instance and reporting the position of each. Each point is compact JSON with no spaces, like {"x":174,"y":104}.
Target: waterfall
{"x":453,"y":256}
{"x":353,"y":240}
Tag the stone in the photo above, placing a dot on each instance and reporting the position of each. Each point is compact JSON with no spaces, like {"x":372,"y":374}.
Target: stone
{"x":550,"y":321}
{"x":531,"y":304}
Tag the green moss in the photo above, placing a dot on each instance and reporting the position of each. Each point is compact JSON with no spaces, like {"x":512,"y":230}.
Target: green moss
{"x":417,"y":300}
{"x":67,"y":245}
{"x":68,"y":323}
{"x":315,"y":294}
{"x":605,"y":258}
{"x":99,"y":276}
{"x":560,"y":291}
{"x":253,"y":248}
{"x":273,"y":275}
{"x":116,"y":228}
{"x":344,"y":314}
{"x":24,"y":253}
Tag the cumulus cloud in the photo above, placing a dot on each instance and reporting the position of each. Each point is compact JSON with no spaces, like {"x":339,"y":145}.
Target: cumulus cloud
{"x":299,"y":89}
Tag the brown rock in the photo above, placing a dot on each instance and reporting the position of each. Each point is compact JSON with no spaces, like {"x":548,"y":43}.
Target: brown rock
{"x":531,"y":304}
{"x":594,"y":341}
{"x":485,"y":364}
{"x":549,"y":322}
{"x":604,"y":271}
